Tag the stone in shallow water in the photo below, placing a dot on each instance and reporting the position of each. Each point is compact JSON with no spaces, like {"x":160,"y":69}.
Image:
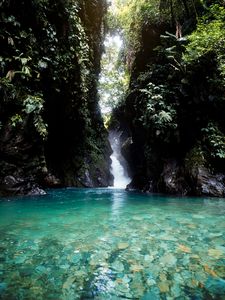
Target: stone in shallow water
{"x":64,"y":266}
{"x":148,"y":258}
{"x":175,"y":290}
{"x":178,"y":278}
{"x":186,"y":260}
{"x":40,"y":269}
{"x":164,"y":287}
{"x":98,"y":258}
{"x":216,"y":253}
{"x":184,"y":248}
{"x":210,"y":271}
{"x":69,"y":281}
{"x":3,"y":287}
{"x":122,"y":246}
{"x":20,"y":259}
{"x":150,"y":282}
{"x":26,"y":271}
{"x":118,"y":266}
{"x":76,"y":258}
{"x":215,"y":286}
{"x":152,"y":294}
{"x":162,"y":277}
{"x":168,"y":260}
{"x":136,"y":268}
{"x":195,"y":268}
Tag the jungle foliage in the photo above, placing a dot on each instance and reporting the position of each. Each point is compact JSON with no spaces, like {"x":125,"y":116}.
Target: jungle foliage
{"x":175,"y":54}
{"x":49,"y":65}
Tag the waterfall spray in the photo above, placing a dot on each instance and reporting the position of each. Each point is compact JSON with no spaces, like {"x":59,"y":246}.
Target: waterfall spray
{"x":118,"y":170}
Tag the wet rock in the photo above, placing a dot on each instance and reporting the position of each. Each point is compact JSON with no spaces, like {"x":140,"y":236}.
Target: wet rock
{"x":36,"y":191}
{"x":87,"y":180}
{"x":40,"y":269}
{"x":51,"y":181}
{"x":184,"y":248}
{"x":126,"y":151}
{"x":216,"y":253}
{"x":152,"y":294}
{"x":26,"y":271}
{"x":76,"y":258}
{"x":118,"y":266}
{"x":122,"y":246}
{"x":12,"y":185}
{"x":176,"y":290}
{"x":215,"y":286}
{"x":209,"y":184}
{"x":164,"y":287}
{"x":168,"y":260}
{"x":3,"y":287}
{"x":136,"y":268}
{"x":173,"y":178}
{"x":69,"y":281}
{"x":11,"y":181}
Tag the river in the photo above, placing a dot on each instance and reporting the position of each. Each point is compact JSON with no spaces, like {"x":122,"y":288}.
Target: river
{"x":111,"y":244}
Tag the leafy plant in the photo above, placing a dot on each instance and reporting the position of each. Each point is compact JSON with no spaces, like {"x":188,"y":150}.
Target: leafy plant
{"x":114,"y":78}
{"x":157,"y":114}
{"x":16,"y":119}
{"x":209,"y":36}
{"x":214,"y":138}
{"x":33,"y":105}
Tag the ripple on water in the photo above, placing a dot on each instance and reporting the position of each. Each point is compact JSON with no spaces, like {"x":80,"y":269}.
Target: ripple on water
{"x":111,"y":244}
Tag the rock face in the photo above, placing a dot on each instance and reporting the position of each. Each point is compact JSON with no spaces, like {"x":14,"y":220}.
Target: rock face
{"x":51,"y":130}
{"x":176,"y":131}
{"x":209,"y":184}
{"x":175,"y":179}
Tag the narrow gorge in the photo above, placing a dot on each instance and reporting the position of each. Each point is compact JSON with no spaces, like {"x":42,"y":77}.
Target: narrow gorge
{"x":51,"y":129}
{"x":152,"y":71}
{"x":112,"y":149}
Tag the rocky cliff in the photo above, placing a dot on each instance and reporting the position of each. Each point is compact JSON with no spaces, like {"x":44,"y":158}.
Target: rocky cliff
{"x":51,"y":130}
{"x":174,"y":108}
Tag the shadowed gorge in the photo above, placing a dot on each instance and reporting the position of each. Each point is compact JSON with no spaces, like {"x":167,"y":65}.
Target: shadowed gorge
{"x":51,"y":132}
{"x":173,"y":112}
{"x":112,"y":149}
{"x":161,"y":86}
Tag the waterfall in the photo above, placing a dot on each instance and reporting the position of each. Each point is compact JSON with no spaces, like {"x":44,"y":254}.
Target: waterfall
{"x":118,"y":169}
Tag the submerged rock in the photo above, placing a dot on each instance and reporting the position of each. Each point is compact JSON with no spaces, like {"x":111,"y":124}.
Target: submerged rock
{"x":3,"y":287}
{"x":215,"y":286}
{"x":168,"y":260}
{"x":122,"y":246}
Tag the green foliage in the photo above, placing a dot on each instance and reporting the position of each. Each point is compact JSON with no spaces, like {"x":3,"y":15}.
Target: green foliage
{"x":16,"y":119}
{"x":157,"y":114}
{"x":131,"y":16}
{"x":113,"y":81}
{"x":195,"y":157}
{"x":214,"y":139}
{"x":128,"y":17}
{"x":33,"y":105}
{"x":208,"y":37}
{"x":52,"y":48}
{"x":180,"y":86}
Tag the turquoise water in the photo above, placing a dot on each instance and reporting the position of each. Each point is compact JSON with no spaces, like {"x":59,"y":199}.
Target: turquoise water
{"x":111,"y":244}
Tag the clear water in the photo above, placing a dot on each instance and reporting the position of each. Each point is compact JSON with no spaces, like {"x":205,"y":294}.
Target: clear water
{"x":111,"y":244}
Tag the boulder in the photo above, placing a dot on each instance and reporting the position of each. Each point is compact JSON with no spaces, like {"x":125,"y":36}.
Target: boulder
{"x":12,"y":185}
{"x":207,"y":183}
{"x":173,"y":179}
